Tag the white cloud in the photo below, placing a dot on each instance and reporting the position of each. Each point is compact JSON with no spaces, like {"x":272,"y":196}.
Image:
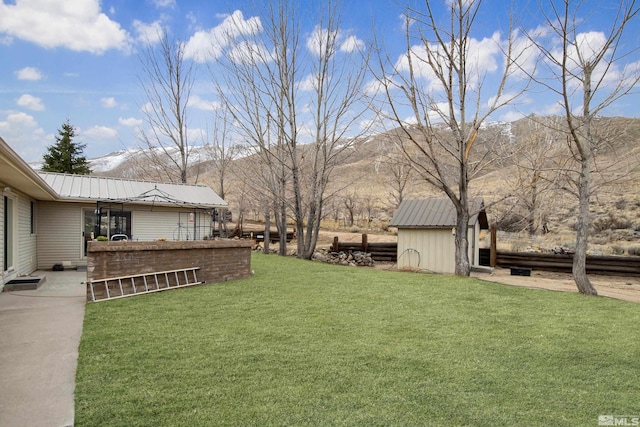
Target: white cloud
{"x":109,"y":102}
{"x":320,"y":38}
{"x":196,"y":102}
{"x":99,"y":132}
{"x":131,"y":122}
{"x":482,"y":58}
{"x":511,"y":116}
{"x":249,"y":53}
{"x":351,"y":43}
{"x":317,"y":41}
{"x":164,"y":3}
{"x":148,"y":33}
{"x":29,"y":73}
{"x":208,"y":45}
{"x":31,"y":102}
{"x":78,"y":25}
{"x":24,"y":135}
{"x":309,"y":83}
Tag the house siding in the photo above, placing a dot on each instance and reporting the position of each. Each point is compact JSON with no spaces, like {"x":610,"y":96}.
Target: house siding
{"x":59,"y":233}
{"x":24,"y":245}
{"x":151,"y":225}
{"x":3,"y":278}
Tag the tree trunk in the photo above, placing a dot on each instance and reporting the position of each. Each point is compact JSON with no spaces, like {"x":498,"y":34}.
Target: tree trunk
{"x":579,"y":269}
{"x":267,"y":232}
{"x":462,"y":244}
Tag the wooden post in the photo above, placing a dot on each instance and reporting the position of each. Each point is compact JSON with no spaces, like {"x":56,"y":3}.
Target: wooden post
{"x":493,"y":255}
{"x":334,"y":247}
{"x":365,"y":242}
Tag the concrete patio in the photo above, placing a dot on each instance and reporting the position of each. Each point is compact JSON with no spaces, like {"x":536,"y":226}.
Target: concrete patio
{"x":40,"y":333}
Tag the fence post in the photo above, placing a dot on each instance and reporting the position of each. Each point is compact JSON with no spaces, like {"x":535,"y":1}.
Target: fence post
{"x":334,"y":247}
{"x":365,"y":242}
{"x":493,"y":251}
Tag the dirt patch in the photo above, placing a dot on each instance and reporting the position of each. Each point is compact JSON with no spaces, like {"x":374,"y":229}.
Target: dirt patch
{"x":623,"y":288}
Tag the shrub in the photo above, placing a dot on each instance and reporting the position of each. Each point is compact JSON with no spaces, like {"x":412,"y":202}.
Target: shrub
{"x":621,"y":204}
{"x":610,"y":222}
{"x":617,"y":250}
{"x":102,"y":239}
{"x":634,"y":250}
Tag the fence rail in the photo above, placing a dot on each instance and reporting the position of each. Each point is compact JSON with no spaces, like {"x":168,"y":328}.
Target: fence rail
{"x":616,"y":265}
{"x":380,"y":251}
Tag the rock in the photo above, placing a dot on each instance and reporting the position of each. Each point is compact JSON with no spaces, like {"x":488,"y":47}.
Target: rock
{"x":355,"y":258}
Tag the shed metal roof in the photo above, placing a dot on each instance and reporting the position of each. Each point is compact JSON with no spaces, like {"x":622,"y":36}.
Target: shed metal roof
{"x":88,"y":188}
{"x":435,"y":213}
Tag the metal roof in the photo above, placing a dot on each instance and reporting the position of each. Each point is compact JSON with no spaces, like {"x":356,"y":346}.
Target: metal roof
{"x":435,"y":213}
{"x":88,"y":188}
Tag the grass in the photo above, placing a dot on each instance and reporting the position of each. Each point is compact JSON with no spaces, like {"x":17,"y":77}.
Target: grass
{"x":303,"y":343}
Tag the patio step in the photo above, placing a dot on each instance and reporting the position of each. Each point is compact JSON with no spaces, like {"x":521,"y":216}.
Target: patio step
{"x":140,"y":284}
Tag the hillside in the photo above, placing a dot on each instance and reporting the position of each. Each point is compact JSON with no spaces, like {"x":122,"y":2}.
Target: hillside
{"x":506,"y":152}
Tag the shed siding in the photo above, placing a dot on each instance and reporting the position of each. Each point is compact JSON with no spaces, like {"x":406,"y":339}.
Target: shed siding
{"x":59,"y":233}
{"x":26,"y":242}
{"x":426,"y":249}
{"x":433,"y":249}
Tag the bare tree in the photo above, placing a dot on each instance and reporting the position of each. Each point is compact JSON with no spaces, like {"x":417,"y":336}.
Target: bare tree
{"x":590,"y":71}
{"x":221,"y":151}
{"x":395,"y":173}
{"x":167,"y":81}
{"x":283,"y":96}
{"x":439,"y":81}
{"x":351,"y":203}
{"x":336,"y":83}
{"x":539,"y":161}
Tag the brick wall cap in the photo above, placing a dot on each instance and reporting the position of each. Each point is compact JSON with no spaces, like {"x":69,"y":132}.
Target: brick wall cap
{"x":130,"y":246}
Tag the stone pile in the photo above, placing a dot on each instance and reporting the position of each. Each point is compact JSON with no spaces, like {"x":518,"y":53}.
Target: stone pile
{"x":352,"y":258}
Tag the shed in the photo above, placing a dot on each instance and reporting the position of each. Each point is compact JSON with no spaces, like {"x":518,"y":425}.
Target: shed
{"x":426,"y":234}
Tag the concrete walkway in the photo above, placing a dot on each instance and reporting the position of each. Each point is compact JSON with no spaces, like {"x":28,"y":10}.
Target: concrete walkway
{"x":40,"y":332}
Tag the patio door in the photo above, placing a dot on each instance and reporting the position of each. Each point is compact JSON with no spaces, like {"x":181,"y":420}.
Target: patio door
{"x":8,"y":234}
{"x":105,"y":222}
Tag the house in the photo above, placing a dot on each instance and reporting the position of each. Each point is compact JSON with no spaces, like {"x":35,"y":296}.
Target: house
{"x":426,"y":234}
{"x":48,"y":218}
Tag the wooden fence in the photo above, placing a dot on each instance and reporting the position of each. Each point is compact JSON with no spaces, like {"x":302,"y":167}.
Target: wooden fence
{"x":617,"y":265}
{"x":380,"y":251}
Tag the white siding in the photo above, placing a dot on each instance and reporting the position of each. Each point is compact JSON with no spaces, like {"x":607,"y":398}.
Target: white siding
{"x":3,"y":279}
{"x":150,"y":225}
{"x":24,"y":245}
{"x":433,"y":249}
{"x":59,"y":227}
{"x":426,"y":249}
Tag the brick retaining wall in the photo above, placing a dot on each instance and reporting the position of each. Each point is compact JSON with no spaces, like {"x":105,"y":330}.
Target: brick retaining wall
{"x":219,"y":260}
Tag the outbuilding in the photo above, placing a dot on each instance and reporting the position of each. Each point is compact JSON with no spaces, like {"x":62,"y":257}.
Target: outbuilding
{"x":426,"y":234}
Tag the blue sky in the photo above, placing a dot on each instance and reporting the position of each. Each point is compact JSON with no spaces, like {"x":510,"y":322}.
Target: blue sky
{"x":79,"y":60}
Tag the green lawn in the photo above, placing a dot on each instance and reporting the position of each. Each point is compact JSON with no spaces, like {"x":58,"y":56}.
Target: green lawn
{"x":304,"y":343}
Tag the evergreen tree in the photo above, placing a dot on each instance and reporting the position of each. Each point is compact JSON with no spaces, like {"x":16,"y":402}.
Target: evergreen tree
{"x":66,"y":156}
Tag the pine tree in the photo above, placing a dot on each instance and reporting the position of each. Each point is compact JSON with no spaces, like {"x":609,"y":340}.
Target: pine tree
{"x":66,"y":156}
